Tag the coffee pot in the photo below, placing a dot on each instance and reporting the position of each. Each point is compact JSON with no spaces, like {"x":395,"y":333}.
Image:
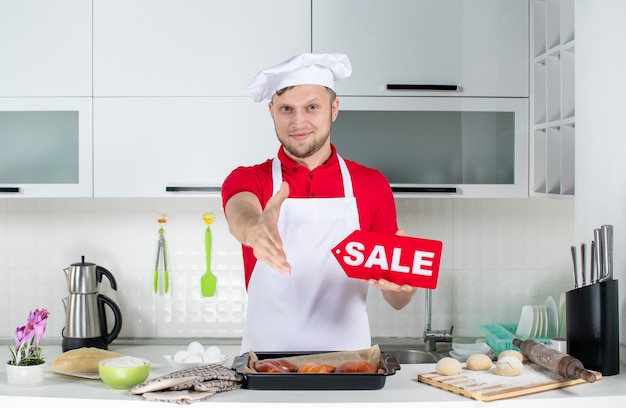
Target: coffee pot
{"x":85,"y":308}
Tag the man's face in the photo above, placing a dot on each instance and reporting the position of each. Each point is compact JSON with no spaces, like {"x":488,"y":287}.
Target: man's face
{"x":303,"y":117}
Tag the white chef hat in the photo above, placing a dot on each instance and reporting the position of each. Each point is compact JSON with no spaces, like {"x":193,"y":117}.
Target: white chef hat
{"x":303,"y":69}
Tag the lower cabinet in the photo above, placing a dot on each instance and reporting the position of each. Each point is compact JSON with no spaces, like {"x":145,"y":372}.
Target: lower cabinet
{"x":159,"y":147}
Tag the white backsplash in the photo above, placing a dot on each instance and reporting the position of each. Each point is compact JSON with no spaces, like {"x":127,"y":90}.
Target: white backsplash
{"x":498,"y":255}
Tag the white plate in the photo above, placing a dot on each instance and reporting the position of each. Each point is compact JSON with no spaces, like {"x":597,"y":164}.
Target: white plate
{"x":562,"y":311}
{"x":525,"y":325}
{"x":543,"y":322}
{"x":91,"y":376}
{"x":182,"y":366}
{"x":459,"y":357}
{"x":553,"y":318}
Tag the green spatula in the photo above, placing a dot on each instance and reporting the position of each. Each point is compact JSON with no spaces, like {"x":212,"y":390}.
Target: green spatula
{"x":208,"y":281}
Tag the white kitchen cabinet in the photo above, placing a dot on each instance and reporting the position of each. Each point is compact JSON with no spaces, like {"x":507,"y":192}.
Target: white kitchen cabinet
{"x":439,"y":147}
{"x":46,"y":147}
{"x":173,"y":147}
{"x":552,"y":99}
{"x":193,"y":47}
{"x":45,"y":48}
{"x":481,"y":46}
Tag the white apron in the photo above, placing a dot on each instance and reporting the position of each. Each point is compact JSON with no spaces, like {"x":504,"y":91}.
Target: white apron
{"x":317,"y":307}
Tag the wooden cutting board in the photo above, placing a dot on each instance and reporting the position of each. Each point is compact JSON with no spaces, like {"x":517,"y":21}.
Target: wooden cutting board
{"x":488,"y":386}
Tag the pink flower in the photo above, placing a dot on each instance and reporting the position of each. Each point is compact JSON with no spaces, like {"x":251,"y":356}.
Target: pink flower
{"x":27,"y":350}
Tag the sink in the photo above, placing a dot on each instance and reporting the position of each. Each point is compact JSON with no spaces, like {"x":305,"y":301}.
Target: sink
{"x":412,"y":356}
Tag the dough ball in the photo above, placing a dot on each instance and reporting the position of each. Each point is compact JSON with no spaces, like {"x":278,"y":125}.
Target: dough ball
{"x":478,"y":362}
{"x":513,"y":353}
{"x":509,"y":366}
{"x":448,"y":366}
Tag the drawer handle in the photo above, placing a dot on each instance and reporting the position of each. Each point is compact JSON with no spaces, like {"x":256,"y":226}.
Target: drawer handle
{"x":422,"y":87}
{"x":179,"y":189}
{"x":9,"y":189}
{"x":406,"y":189}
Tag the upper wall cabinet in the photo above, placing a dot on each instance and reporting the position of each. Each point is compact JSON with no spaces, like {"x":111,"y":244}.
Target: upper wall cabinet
{"x":45,"y":147}
{"x":165,"y":147}
{"x":193,"y":47}
{"x":45,"y":48}
{"x":479,"y":47}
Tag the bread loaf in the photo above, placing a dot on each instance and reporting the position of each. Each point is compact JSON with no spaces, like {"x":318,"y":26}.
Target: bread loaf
{"x":278,"y":365}
{"x":315,"y":367}
{"x":358,"y":366}
{"x":81,"y":360}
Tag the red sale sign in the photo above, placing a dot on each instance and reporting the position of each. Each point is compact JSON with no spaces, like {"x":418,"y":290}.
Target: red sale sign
{"x":399,"y":259}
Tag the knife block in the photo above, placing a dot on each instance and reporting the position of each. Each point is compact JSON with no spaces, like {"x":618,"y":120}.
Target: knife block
{"x":592,"y":319}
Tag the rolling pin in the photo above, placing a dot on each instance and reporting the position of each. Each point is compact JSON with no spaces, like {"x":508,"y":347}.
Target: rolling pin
{"x":553,"y":360}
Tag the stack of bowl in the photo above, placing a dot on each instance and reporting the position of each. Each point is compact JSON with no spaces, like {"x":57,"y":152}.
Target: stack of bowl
{"x":461,"y":351}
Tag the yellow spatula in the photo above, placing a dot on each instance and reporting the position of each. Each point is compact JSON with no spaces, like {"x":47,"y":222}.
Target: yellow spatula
{"x":208,"y":281}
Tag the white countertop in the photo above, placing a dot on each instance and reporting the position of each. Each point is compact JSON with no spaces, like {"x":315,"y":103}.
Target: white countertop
{"x":401,"y":389}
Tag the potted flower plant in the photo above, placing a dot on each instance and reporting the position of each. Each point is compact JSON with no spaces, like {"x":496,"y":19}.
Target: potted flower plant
{"x":27,"y":361}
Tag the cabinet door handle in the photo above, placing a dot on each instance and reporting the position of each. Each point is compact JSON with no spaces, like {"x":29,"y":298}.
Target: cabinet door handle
{"x":9,"y":189}
{"x":422,"y":87}
{"x":407,"y":189}
{"x":181,"y":189}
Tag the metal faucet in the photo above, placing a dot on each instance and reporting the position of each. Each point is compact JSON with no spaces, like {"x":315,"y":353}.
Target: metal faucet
{"x":432,"y":337}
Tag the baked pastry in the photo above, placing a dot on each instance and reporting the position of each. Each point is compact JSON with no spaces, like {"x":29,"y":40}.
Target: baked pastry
{"x":448,"y":366}
{"x":81,"y":360}
{"x":275,"y":365}
{"x":315,"y":367}
{"x":357,"y":366}
{"x":478,"y":362}
{"x":509,"y":366}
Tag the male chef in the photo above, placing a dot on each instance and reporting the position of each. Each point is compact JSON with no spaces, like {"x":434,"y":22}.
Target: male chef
{"x":291,"y":210}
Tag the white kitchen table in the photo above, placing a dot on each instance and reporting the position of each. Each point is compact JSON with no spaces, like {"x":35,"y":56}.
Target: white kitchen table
{"x":401,"y":390}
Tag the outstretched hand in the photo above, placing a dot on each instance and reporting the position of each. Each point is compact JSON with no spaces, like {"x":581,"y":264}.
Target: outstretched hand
{"x":264,"y":237}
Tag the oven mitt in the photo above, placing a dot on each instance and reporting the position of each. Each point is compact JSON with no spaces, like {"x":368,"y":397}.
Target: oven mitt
{"x":179,"y":397}
{"x":212,"y":378}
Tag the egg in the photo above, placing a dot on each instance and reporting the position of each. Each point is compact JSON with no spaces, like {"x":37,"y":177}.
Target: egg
{"x":212,"y":354}
{"x":195,"y":348}
{"x":193,"y":358}
{"x":180,"y":356}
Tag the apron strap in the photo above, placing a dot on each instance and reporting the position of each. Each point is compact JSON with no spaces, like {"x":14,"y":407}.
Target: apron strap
{"x":277,"y":176}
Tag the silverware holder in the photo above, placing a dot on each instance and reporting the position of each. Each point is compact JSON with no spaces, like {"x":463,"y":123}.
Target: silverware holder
{"x":592,"y":319}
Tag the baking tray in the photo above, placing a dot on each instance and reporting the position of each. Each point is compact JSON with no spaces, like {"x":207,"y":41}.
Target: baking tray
{"x":313,"y":381}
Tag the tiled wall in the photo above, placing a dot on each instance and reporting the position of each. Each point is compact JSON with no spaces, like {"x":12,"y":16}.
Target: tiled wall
{"x":499,"y":254}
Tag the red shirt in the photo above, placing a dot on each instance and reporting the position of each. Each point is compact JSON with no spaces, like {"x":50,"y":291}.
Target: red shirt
{"x":374,"y":198}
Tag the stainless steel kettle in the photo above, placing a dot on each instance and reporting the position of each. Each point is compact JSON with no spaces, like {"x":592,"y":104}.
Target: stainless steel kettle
{"x":85,"y":277}
{"x":86,"y":310}
{"x":86,"y":322}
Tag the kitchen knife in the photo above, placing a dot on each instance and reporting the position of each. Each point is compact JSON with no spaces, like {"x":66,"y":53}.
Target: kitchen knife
{"x":583,"y":266}
{"x":592,"y":263}
{"x":574,"y":259}
{"x":598,"y":250}
{"x":606,"y":231}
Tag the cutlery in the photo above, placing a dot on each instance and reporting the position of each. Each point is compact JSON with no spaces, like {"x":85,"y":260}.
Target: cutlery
{"x":592,"y":263}
{"x":208,"y":281}
{"x":161,"y":256}
{"x":606,"y":232}
{"x":583,"y":256}
{"x":574,"y":259}
{"x":598,"y":253}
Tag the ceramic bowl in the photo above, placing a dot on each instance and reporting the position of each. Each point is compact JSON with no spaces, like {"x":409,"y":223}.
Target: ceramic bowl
{"x":118,"y":374}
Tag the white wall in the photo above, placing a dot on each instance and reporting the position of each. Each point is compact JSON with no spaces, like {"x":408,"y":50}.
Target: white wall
{"x":600,"y":127}
{"x":498,"y":255}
